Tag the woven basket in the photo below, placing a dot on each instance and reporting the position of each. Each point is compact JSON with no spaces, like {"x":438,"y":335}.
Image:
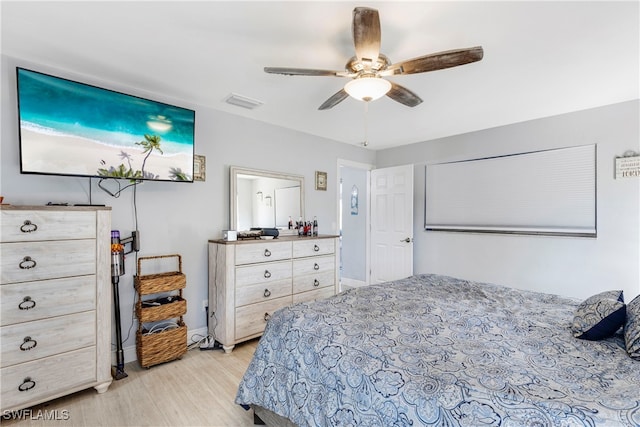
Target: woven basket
{"x":176,"y":308}
{"x":161,"y":282}
{"x":170,"y":344}
{"x":160,"y":347}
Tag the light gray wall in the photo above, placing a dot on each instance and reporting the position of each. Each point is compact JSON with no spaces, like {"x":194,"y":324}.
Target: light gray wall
{"x":179,"y":217}
{"x":569,"y":266}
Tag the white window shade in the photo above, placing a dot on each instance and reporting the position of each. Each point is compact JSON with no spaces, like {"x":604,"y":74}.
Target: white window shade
{"x":543,"y":192}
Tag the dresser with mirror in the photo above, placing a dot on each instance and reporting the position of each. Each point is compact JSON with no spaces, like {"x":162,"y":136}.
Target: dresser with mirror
{"x":250,"y":279}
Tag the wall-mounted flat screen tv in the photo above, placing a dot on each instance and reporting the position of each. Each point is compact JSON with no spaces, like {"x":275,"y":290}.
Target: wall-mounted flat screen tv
{"x":75,"y":129}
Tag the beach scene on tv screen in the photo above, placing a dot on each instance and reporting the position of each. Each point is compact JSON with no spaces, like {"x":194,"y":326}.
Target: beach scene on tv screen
{"x":71,"y":128}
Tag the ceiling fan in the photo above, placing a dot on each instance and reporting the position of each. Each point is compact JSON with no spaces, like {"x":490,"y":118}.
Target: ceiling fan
{"x":368,"y":67}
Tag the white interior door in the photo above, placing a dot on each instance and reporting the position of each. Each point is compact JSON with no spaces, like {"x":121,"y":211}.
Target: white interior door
{"x":391,"y":223}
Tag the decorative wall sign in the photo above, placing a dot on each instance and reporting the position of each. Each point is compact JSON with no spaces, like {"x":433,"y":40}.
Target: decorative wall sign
{"x":321,"y":181}
{"x":199,"y":168}
{"x":354,"y":200}
{"x":628,"y":166}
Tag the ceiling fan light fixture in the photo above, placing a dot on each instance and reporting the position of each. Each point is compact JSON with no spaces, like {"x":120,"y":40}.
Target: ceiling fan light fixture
{"x":367,"y":88}
{"x":368,"y":66}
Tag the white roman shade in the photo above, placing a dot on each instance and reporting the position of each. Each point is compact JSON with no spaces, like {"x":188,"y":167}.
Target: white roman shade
{"x":542,"y":192}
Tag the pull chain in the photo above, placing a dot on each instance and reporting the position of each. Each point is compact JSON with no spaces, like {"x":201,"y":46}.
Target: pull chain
{"x":366,"y":124}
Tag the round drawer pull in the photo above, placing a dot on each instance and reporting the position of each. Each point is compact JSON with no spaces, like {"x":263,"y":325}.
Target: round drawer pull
{"x":316,"y":266}
{"x":267,"y":252}
{"x":316,"y":282}
{"x":267,"y":274}
{"x":28,"y":343}
{"x":316,"y":248}
{"x":27,"y":384}
{"x":27,"y":263}
{"x":267,"y":316}
{"x":28,"y":227}
{"x":267,"y":293}
{"x":27,"y":303}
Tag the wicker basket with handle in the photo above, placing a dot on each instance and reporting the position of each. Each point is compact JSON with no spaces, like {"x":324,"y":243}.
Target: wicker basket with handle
{"x":165,"y":341}
{"x":160,"y":282}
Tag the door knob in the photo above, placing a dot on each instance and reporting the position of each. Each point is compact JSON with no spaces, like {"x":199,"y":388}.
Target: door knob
{"x":407,"y":240}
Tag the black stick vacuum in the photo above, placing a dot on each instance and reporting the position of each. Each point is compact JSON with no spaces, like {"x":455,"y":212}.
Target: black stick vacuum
{"x":117,"y":270}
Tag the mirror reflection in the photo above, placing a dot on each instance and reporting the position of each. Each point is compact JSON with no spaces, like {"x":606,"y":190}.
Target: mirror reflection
{"x":264,"y":199}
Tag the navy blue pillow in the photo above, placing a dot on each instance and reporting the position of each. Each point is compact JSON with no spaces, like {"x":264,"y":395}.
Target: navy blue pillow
{"x":599,"y":316}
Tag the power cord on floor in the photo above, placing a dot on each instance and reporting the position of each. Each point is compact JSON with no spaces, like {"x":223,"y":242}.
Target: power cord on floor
{"x":198,"y":340}
{"x":204,"y":343}
{"x":207,"y":342}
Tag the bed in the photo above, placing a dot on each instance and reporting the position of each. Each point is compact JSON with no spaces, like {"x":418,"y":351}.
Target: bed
{"x":435,"y":350}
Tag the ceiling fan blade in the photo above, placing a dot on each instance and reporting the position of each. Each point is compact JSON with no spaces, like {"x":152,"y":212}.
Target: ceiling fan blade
{"x":366,"y":34}
{"x":403,"y":95}
{"x":335,"y":99}
{"x":435,"y":61}
{"x":304,"y":72}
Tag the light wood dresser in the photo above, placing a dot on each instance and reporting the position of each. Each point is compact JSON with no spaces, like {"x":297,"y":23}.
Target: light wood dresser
{"x":250,"y":279}
{"x":55,"y":302}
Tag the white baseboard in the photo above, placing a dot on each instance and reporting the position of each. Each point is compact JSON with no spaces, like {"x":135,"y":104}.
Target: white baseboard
{"x":129,"y":352}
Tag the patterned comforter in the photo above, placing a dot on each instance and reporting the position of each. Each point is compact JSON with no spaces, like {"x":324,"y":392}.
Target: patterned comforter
{"x":434,"y":350}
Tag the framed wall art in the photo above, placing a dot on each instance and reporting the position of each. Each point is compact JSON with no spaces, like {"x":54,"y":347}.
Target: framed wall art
{"x":321,"y":181}
{"x":199,"y":168}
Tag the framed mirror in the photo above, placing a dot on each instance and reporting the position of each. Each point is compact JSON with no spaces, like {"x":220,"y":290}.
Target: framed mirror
{"x":266,"y":199}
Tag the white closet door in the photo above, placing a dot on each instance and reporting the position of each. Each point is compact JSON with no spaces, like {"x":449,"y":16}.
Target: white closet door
{"x":391,"y":223}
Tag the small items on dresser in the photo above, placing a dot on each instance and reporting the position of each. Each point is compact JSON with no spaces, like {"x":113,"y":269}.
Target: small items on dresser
{"x":251,"y":234}
{"x":162,"y":333}
{"x":308,"y":228}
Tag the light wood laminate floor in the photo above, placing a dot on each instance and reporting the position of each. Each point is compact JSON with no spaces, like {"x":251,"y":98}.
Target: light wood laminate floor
{"x":197,"y":390}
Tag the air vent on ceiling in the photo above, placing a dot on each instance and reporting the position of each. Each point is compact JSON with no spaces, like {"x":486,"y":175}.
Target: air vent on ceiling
{"x":243,"y":101}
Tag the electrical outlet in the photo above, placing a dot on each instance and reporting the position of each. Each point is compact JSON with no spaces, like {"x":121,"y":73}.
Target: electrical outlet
{"x":205,"y":304}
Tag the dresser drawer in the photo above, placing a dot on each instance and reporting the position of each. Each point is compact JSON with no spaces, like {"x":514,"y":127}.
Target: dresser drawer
{"x":252,"y":319}
{"x":313,"y":265}
{"x":250,"y":253}
{"x":250,"y":294}
{"x":22,"y":262}
{"x":42,"y":338}
{"x":47,"y":377}
{"x":313,"y":295}
{"x":29,"y":226}
{"x":313,"y":281}
{"x":25,"y":302}
{"x":267,"y":272}
{"x":312,"y":247}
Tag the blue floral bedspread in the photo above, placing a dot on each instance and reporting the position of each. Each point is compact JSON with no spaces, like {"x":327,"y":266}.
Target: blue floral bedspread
{"x":434,"y":350}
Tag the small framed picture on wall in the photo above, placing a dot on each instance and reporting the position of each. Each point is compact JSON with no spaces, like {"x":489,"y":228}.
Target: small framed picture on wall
{"x":321,"y":181}
{"x":199,"y":168}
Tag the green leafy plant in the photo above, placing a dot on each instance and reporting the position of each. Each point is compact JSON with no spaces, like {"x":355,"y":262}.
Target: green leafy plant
{"x":177,"y":175}
{"x":120,"y":171}
{"x":150,"y":143}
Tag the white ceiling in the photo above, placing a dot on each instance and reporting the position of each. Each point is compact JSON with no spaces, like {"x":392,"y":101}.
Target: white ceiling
{"x":542,"y":58}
